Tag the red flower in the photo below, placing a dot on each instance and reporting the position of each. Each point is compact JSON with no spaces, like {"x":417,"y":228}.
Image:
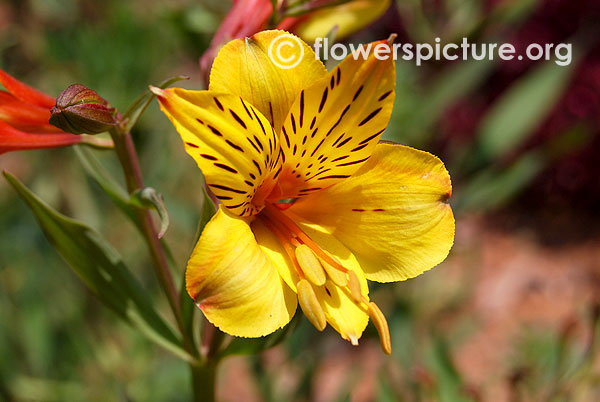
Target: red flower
{"x":245,"y":18}
{"x":24,"y":115}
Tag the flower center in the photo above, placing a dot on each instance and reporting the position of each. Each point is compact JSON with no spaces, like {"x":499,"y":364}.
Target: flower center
{"x":314,"y":267}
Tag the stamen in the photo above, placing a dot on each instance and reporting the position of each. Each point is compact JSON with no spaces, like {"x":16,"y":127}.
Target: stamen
{"x":336,"y":276}
{"x":314,"y":265}
{"x":354,"y":286}
{"x":278,"y":216}
{"x":310,"y":305}
{"x":310,"y":265}
{"x":382,"y":327}
{"x":286,"y":243}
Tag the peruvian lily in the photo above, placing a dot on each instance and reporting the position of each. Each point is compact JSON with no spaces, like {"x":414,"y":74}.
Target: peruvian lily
{"x":24,"y":115}
{"x":313,"y":205}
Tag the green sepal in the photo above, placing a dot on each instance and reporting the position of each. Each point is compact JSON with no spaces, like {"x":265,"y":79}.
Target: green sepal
{"x":149,"y":198}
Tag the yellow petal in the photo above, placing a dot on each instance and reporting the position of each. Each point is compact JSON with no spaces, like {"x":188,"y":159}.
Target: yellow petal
{"x":340,"y":310}
{"x":349,"y":17}
{"x":334,"y":126}
{"x":243,"y":67}
{"x":234,"y":282}
{"x":232,"y":143}
{"x":343,"y":314}
{"x":272,"y":248}
{"x":392,"y":213}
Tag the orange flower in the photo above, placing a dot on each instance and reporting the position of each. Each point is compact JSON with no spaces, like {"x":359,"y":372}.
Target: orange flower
{"x":24,"y":115}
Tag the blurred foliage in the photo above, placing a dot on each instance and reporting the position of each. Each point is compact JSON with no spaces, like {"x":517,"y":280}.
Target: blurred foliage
{"x":58,"y":343}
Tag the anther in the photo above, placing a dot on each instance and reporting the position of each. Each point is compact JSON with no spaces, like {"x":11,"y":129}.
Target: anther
{"x":338,"y":277}
{"x":310,"y":265}
{"x":310,"y":305}
{"x":354,"y":286}
{"x":382,"y":327}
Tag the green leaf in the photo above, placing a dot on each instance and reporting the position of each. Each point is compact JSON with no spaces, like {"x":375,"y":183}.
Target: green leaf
{"x":492,"y":188}
{"x":102,"y":270}
{"x":495,"y":186}
{"x":522,"y":108}
{"x":113,"y":190}
{"x":450,"y":384}
{"x":138,"y":107}
{"x":414,"y":117}
{"x":144,"y":198}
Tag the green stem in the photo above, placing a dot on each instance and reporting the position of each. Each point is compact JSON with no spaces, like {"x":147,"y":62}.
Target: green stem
{"x":127,"y":155}
{"x":204,"y":374}
{"x":203,"y":382}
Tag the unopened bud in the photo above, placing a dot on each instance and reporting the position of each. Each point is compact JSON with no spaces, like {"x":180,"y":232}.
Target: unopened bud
{"x":81,"y":110}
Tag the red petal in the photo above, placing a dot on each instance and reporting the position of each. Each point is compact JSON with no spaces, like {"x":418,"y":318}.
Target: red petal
{"x":19,"y":112}
{"x":25,"y":92}
{"x":12,"y":139}
{"x":245,"y":18}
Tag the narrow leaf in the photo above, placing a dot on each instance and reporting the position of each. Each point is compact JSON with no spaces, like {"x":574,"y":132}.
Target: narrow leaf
{"x":522,"y":108}
{"x":493,"y":187}
{"x":415,"y":116}
{"x":113,"y":190}
{"x":102,"y":270}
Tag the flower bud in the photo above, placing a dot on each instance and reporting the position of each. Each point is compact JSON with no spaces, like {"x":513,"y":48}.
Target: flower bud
{"x":81,"y":110}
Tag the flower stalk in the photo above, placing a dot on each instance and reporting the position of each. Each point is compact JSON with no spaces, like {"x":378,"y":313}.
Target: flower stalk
{"x":203,"y":371}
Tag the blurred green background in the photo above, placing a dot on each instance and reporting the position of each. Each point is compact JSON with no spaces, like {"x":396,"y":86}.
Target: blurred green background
{"x":510,"y":316}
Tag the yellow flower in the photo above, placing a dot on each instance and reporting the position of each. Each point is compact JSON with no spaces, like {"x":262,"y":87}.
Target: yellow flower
{"x":312,"y":204}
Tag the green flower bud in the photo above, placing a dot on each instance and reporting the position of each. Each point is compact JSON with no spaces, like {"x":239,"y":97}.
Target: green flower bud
{"x":81,"y":110}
